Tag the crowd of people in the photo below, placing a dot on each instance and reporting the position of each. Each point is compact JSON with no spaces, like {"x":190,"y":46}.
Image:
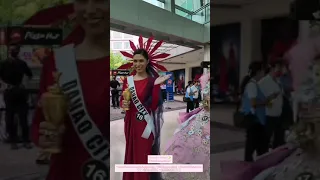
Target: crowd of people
{"x":193,"y":95}
{"x":265,"y":109}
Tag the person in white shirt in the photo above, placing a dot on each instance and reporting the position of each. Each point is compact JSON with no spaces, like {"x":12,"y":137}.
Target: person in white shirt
{"x":189,"y":97}
{"x":271,"y":85}
{"x":195,"y":91}
{"x":253,"y":104}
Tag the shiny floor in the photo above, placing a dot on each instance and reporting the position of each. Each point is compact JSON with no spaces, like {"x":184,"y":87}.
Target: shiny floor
{"x":118,"y":140}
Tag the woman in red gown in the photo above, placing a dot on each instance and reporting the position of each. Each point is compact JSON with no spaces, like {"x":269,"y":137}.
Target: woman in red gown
{"x":147,"y":86}
{"x":91,"y":41}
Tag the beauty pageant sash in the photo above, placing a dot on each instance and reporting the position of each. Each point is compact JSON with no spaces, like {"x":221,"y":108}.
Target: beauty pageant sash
{"x":92,"y":139}
{"x":143,"y":113}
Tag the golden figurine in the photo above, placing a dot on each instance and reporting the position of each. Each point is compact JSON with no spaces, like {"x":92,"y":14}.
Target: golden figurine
{"x":126,"y":96}
{"x":54,"y":105}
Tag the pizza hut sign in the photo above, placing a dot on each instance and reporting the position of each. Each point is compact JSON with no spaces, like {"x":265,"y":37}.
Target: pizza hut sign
{"x":35,"y":36}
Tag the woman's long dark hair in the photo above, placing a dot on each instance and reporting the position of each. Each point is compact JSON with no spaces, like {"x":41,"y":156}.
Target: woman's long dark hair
{"x":254,"y":68}
{"x":189,"y":84}
{"x":150,"y":71}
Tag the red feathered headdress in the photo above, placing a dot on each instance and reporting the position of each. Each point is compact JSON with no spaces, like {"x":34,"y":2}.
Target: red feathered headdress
{"x":57,"y":15}
{"x":153,"y":56}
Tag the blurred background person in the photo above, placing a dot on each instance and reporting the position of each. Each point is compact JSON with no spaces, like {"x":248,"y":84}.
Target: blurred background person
{"x":270,"y":85}
{"x":12,"y":72}
{"x":114,"y":84}
{"x":253,"y":104}
{"x":189,"y":97}
{"x":164,"y":91}
{"x":195,"y":91}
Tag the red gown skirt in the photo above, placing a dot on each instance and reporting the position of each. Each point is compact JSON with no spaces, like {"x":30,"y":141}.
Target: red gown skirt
{"x":138,"y":148}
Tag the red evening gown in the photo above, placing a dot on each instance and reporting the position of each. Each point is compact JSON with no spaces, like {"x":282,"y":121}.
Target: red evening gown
{"x":138,"y":148}
{"x":94,"y":78}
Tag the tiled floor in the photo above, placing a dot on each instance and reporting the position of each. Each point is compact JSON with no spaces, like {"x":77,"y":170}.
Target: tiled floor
{"x":224,"y":156}
{"x":225,"y":141}
{"x":118,"y":141}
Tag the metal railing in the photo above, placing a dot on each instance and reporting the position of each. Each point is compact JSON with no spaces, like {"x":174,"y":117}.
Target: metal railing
{"x":201,"y":15}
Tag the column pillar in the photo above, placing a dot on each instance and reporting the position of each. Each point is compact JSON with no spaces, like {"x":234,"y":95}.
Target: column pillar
{"x":169,"y":5}
{"x":206,"y":57}
{"x":187,"y":76}
{"x":250,"y":46}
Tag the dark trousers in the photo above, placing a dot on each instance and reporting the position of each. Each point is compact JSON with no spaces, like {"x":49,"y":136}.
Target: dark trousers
{"x":190,"y":106}
{"x":276,"y":130}
{"x":164,"y":94}
{"x":256,"y":141}
{"x":16,"y":104}
{"x":196,"y":103}
{"x":115,"y":98}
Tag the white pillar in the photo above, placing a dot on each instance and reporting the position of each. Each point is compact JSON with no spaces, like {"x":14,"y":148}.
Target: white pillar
{"x":206,"y":57}
{"x":250,"y":46}
{"x":187,"y":75}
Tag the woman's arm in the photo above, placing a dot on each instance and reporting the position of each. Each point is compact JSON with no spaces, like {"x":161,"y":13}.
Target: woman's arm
{"x":46,"y":80}
{"x":156,"y":90}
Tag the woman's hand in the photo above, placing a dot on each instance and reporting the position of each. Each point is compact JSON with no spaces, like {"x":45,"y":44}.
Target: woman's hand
{"x":162,"y":79}
{"x":125,"y":104}
{"x":50,"y":135}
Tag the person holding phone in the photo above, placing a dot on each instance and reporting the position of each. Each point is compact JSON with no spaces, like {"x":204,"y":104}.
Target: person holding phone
{"x":272,"y":88}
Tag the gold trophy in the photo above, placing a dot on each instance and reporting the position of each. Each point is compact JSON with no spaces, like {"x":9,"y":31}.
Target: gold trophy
{"x":54,"y":106}
{"x":126,"y":96}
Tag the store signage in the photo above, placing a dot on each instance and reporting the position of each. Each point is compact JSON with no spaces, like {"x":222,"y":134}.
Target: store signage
{"x":34,"y":36}
{"x":121,"y":72}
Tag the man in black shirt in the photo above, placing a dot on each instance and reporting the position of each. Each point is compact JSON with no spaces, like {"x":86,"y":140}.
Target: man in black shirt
{"x":114,"y":84}
{"x":12,"y":72}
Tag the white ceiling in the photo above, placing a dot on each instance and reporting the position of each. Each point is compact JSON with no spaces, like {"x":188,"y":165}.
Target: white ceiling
{"x":188,"y":57}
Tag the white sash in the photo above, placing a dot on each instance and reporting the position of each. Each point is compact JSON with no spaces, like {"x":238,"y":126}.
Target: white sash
{"x":91,"y":137}
{"x":143,"y":112}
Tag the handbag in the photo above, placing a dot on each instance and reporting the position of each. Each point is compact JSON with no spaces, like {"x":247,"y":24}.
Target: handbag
{"x":186,"y":99}
{"x":241,"y":120}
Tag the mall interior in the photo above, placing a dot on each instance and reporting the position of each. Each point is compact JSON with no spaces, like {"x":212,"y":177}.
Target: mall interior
{"x":184,"y":26}
{"x":243,"y":30}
